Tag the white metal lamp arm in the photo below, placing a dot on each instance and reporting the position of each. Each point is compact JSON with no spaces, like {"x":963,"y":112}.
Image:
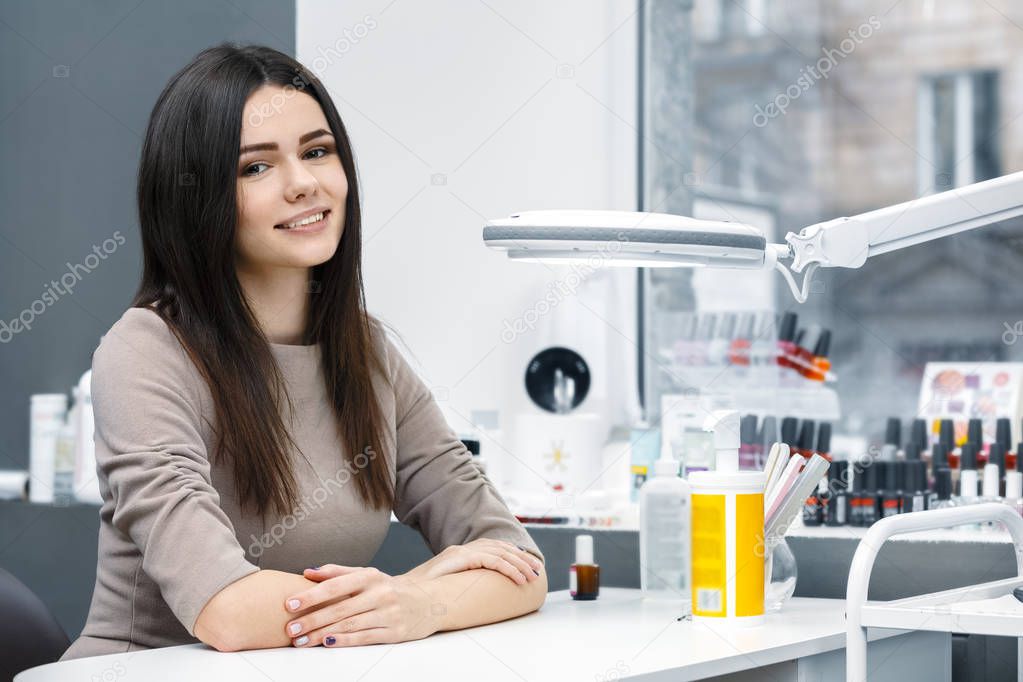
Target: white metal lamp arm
{"x":849,"y":242}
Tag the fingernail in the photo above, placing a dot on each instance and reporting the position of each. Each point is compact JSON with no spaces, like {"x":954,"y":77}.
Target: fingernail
{"x":295,"y":628}
{"x":330,"y":641}
{"x":293,"y":604}
{"x":313,"y":568}
{"x":302,"y":641}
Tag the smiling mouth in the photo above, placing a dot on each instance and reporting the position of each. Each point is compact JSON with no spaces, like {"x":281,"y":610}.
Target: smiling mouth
{"x":312,"y":222}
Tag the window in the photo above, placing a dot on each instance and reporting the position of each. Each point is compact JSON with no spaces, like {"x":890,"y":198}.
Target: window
{"x":958,"y":130}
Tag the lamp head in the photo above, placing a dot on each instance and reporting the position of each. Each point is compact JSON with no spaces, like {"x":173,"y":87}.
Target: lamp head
{"x":628,"y":238}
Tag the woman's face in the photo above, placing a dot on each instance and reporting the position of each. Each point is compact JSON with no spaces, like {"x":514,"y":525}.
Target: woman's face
{"x":288,"y":170}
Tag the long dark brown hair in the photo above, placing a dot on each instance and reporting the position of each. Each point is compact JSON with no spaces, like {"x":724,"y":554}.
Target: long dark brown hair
{"x":188,"y":216}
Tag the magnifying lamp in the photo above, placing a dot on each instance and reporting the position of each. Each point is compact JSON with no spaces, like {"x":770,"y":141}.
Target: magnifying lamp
{"x":638,"y":239}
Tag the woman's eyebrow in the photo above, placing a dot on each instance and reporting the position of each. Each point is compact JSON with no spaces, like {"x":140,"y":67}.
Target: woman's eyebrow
{"x":272,"y":146}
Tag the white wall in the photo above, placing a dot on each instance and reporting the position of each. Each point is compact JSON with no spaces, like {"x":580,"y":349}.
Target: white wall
{"x":462,"y":111}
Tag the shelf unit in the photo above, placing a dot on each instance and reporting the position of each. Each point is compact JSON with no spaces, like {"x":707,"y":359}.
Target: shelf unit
{"x":984,"y":609}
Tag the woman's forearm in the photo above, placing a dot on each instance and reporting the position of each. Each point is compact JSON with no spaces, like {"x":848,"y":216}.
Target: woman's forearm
{"x":481,"y":596}
{"x":249,"y":613}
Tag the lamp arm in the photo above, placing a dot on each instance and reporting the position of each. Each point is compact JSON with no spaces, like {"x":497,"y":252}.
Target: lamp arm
{"x":848,"y":242}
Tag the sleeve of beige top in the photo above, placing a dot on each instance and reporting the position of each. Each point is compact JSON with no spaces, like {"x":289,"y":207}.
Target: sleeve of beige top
{"x":150,"y":451}
{"x":439,"y":491}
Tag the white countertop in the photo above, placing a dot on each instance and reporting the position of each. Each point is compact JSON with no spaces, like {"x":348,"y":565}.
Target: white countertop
{"x":615,"y":637}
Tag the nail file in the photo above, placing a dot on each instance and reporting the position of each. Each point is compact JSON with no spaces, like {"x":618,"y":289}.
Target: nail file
{"x":772,"y":461}
{"x":786,"y":511}
{"x":779,"y":467}
{"x":783,"y":485}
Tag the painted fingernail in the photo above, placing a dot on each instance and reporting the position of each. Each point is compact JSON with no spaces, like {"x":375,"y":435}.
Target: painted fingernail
{"x":330,"y":641}
{"x":302,"y":641}
{"x":295,"y":628}
{"x":293,"y":604}
{"x":313,"y":568}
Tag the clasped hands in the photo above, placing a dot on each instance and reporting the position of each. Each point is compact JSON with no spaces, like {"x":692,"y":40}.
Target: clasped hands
{"x":355,"y":605}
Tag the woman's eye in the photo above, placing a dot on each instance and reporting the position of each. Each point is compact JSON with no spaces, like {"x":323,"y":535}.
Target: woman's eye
{"x":249,"y":169}
{"x":322,"y":150}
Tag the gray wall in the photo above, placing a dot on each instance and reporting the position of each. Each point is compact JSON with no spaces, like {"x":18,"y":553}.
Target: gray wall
{"x":78,"y":82}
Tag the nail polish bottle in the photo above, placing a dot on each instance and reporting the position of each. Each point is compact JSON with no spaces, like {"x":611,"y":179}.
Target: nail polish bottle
{"x":824,"y":441}
{"x":918,"y":435}
{"x":892,"y":439}
{"x":865,"y":500}
{"x":947,"y":438}
{"x":739,"y":349}
{"x":584,"y":574}
{"x":786,"y":341}
{"x":813,"y":508}
{"x":747,"y":442}
{"x":789,"y":425}
{"x":821,"y":363}
{"x":837,"y":513}
{"x":889,"y":497}
{"x":914,"y":495}
{"x":1003,"y":433}
{"x":943,"y":489}
{"x":804,"y":444}
{"x":939,"y":460}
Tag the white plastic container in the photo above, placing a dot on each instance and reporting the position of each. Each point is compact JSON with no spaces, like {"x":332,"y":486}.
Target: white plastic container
{"x":47,"y":414}
{"x":727,"y":507}
{"x":64,"y":464}
{"x":664,"y":534}
{"x":86,"y":480}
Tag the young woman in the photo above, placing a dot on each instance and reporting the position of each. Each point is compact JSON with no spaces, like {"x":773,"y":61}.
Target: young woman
{"x":252,"y":420}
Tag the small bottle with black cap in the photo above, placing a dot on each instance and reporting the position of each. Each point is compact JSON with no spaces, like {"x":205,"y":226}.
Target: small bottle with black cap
{"x":939,"y":459}
{"x":892,"y":439}
{"x":837,"y":513}
{"x":914,"y":493}
{"x":943,"y":489}
{"x":918,"y":435}
{"x":947,"y":439}
{"x":1003,"y":434}
{"x":804,"y":444}
{"x":789,"y":425}
{"x":889,"y":497}
{"x":864,"y":502}
{"x":815,"y":507}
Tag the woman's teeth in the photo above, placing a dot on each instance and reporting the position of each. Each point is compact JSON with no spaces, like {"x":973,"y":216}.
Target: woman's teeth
{"x":305,"y":221}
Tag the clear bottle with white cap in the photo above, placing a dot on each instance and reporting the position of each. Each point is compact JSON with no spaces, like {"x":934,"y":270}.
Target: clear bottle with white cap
{"x":664,"y":534}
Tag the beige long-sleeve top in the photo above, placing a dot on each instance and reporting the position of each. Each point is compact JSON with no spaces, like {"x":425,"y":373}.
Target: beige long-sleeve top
{"x":172,"y":533}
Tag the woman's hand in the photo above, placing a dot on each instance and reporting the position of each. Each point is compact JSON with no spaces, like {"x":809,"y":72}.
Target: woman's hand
{"x":358,"y":606}
{"x":511,"y":560}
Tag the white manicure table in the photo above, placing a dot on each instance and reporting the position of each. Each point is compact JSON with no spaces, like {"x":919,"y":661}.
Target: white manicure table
{"x":618,"y":636}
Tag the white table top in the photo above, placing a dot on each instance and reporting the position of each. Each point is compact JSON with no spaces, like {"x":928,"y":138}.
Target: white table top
{"x":614,"y":637}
